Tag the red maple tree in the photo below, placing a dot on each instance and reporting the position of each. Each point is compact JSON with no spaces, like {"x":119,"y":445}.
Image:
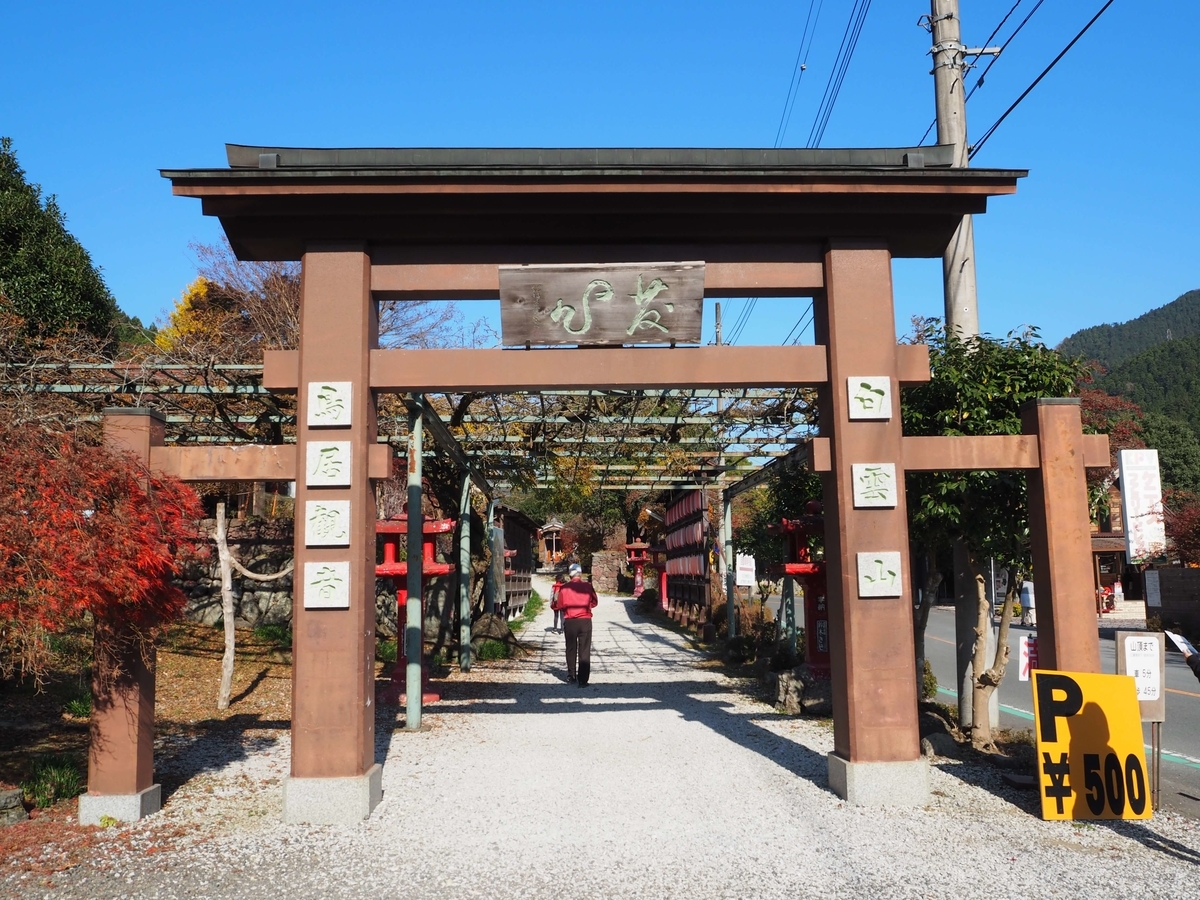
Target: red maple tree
{"x":85,"y":534}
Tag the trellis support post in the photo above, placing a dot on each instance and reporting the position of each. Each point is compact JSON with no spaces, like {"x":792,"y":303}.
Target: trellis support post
{"x":413,"y":625}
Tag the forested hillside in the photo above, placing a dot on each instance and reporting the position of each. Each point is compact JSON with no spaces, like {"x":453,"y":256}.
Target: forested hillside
{"x":1164,"y":379}
{"x":1112,"y":345}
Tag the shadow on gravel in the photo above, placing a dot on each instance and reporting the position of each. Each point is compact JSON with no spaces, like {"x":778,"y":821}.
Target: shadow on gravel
{"x":988,"y":778}
{"x":1138,"y":832}
{"x":695,"y":701}
{"x":192,"y":749}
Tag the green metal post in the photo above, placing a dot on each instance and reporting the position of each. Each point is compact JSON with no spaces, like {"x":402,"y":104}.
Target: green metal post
{"x":413,"y":626}
{"x":788,"y":599}
{"x":464,"y":576}
{"x":730,"y":567}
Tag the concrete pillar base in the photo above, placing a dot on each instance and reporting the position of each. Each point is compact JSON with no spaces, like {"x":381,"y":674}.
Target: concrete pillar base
{"x":880,"y":783}
{"x":332,"y":801}
{"x":122,"y":807}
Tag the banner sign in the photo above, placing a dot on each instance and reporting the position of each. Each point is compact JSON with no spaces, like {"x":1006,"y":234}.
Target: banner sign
{"x":1029,"y":656}
{"x":1141,"y":505}
{"x":1091,"y":759}
{"x":618,"y":303}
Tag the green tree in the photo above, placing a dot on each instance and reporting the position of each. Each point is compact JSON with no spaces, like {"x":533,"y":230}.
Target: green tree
{"x":45,"y":273}
{"x":1178,"y":451}
{"x":978,"y":386}
{"x":1164,"y":379}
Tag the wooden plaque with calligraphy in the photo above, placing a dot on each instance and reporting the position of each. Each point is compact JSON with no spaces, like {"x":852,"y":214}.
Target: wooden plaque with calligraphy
{"x":618,"y":303}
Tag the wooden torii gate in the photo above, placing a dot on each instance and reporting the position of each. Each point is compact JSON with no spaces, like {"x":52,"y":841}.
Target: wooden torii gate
{"x":379,"y":225}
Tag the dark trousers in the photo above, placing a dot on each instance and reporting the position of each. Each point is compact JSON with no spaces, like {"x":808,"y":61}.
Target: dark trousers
{"x":579,"y":646}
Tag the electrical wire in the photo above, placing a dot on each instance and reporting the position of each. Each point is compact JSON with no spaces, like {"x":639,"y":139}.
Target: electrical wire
{"x":743,"y":318}
{"x":801,"y":66}
{"x":798,"y":329}
{"x":833,"y":87}
{"x":982,"y":75}
{"x":1046,"y":71}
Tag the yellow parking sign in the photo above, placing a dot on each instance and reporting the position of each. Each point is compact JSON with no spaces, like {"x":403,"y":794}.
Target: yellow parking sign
{"x":1091,"y":760}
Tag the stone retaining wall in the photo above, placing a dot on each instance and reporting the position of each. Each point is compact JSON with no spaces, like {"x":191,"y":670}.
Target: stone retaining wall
{"x":265,"y":546}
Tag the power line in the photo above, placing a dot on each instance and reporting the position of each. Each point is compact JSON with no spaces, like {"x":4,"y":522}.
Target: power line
{"x":854,"y":25}
{"x":785,"y":118}
{"x":982,"y":75}
{"x":801,"y":66}
{"x":798,"y":328}
{"x":1046,"y":71}
{"x":736,"y":331}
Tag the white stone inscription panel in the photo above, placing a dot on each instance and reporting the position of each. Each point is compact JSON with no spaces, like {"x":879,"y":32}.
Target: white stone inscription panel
{"x":329,"y":403}
{"x":327,"y":464}
{"x":870,"y":396}
{"x":327,"y":523}
{"x":327,"y":585}
{"x":874,"y":484}
{"x":879,"y":574}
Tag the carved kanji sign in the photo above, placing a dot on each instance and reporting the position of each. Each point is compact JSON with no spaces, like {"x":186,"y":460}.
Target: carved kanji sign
{"x":620,"y":303}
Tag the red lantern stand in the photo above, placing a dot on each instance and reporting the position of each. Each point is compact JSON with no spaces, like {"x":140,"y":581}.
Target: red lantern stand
{"x":392,"y":529}
{"x":810,"y":574}
{"x":637,"y":556}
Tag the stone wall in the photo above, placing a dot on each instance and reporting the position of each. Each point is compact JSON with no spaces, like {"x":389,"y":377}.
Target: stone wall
{"x":265,"y":546}
{"x":607,"y":566}
{"x":261,"y":545}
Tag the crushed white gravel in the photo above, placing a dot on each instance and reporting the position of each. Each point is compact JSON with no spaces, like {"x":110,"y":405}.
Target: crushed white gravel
{"x":660,"y":779}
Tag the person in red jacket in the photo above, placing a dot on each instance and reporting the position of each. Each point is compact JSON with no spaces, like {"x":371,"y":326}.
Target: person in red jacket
{"x":577,"y":599}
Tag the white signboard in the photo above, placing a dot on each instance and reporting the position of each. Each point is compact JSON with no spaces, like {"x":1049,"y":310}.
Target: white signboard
{"x":1142,"y":654}
{"x":1141,"y":504}
{"x":745,"y":571}
{"x":1141,"y":661}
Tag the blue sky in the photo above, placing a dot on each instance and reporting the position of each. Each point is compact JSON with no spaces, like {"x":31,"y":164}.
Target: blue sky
{"x":98,"y":97}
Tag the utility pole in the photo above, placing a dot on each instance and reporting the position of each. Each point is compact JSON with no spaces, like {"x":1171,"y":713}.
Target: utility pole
{"x":962,"y":306}
{"x":958,"y":263}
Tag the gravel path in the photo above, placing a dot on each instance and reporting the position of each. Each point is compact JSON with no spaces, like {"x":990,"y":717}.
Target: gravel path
{"x":660,"y":779}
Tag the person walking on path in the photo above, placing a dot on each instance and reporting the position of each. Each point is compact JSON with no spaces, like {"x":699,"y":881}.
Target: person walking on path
{"x":577,"y":599}
{"x":558,"y":613}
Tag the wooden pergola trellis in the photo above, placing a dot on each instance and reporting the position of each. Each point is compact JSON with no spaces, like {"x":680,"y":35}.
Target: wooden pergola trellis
{"x":634,"y":440}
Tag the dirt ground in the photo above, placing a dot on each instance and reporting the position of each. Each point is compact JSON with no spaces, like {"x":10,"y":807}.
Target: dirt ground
{"x":33,"y":723}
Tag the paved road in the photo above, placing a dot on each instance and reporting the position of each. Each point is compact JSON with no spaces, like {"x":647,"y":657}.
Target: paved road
{"x":1180,"y":790}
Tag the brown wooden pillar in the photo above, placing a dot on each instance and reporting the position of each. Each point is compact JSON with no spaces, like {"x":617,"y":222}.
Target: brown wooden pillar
{"x":334,"y":777}
{"x":876,"y":758}
{"x":1061,"y":534}
{"x":121,"y":740}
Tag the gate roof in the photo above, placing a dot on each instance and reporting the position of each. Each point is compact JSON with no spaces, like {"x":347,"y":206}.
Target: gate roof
{"x":476,"y":205}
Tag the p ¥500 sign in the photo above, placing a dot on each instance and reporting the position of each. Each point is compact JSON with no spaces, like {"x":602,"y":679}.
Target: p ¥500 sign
{"x":1091,"y":763}
{"x":619,"y":303}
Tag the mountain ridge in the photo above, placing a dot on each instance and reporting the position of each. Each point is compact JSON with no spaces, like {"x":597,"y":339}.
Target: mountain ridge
{"x":1113,"y":344}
